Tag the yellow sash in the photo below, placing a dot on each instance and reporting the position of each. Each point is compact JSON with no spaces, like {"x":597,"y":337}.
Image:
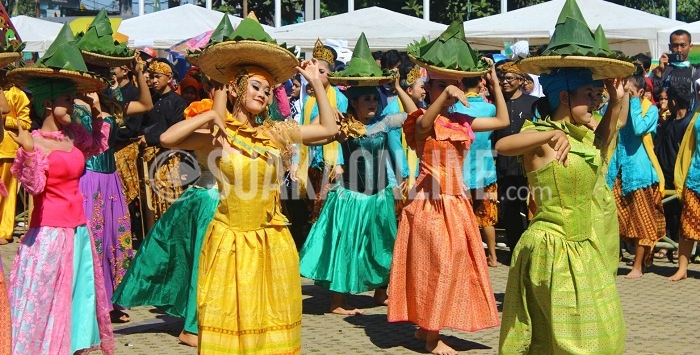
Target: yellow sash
{"x":685,"y":155}
{"x":648,"y":142}
{"x":330,"y":150}
{"x":411,"y":156}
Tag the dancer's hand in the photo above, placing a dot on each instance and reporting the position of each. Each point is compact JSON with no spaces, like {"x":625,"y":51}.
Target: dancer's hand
{"x":560,"y":143}
{"x":23,"y":138}
{"x":455,"y":93}
{"x":293,"y":169}
{"x":217,"y":121}
{"x":309,"y":70}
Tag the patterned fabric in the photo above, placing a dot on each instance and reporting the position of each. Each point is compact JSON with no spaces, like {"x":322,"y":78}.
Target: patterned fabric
{"x":109,"y":223}
{"x":349,"y":248}
{"x":5,"y":317}
{"x":690,"y":216}
{"x":170,"y":254}
{"x":485,"y":204}
{"x":248,"y":294}
{"x":641,"y":217}
{"x":164,"y":179}
{"x":127,"y":159}
{"x":439,"y":277}
{"x":561,"y":297}
{"x":42,"y":277}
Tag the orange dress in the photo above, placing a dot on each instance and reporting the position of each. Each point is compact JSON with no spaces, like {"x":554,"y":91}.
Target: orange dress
{"x":439,"y":276}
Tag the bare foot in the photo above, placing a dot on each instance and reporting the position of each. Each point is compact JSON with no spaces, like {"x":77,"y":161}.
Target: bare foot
{"x":118,"y":316}
{"x":679,"y":275}
{"x":346,"y":310}
{"x":4,"y":241}
{"x":492,"y":261}
{"x":439,"y":348}
{"x":380,"y":297}
{"x":420,"y":334}
{"x":189,"y":339}
{"x":634,"y":274}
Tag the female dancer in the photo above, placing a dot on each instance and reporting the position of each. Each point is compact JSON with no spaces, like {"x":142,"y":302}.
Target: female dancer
{"x":249,"y":299}
{"x":57,"y":269}
{"x":439,"y":277}
{"x":349,"y":248}
{"x":561,"y":297}
{"x":103,"y":199}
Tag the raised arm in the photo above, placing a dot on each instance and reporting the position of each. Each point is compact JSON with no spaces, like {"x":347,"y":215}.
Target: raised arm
{"x":425,"y":122}
{"x":616,"y":114}
{"x":408,"y":105}
{"x":187,"y":135}
{"x":502,"y":118}
{"x":325,"y":127}
{"x":145,"y":103}
{"x":527,"y":142}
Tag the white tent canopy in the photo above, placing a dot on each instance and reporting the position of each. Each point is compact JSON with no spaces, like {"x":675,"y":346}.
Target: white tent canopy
{"x":37,"y":33}
{"x":384,"y":29}
{"x":663,"y":35}
{"x":626,"y":29}
{"x":164,"y":29}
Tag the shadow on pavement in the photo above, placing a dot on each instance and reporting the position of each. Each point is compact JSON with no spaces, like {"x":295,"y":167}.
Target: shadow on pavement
{"x":317,"y":300}
{"x":387,"y":335}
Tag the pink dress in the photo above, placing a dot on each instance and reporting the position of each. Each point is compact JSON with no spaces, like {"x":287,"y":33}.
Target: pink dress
{"x":57,"y":298}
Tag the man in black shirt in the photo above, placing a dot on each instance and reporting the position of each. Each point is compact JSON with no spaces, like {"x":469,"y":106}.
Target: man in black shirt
{"x":163,"y":165}
{"x":512,"y":184}
{"x":674,"y":67}
{"x":666,"y":145}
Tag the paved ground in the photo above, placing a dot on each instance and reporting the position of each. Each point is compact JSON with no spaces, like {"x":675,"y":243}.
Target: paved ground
{"x":660,"y":318}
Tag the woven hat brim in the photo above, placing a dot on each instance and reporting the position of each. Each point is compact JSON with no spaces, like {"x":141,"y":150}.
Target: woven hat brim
{"x":84,"y":82}
{"x":602,"y":68}
{"x":7,"y":58}
{"x":107,"y":61}
{"x":452,"y":73}
{"x":360,"y":80}
{"x":222,"y":61}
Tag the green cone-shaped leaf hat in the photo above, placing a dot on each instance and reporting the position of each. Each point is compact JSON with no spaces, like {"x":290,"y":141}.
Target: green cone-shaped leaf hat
{"x":247,"y":45}
{"x":221,"y":33}
{"x":574,"y":45}
{"x":61,"y":60}
{"x":98,"y":45}
{"x":450,"y":54}
{"x":362,"y":69}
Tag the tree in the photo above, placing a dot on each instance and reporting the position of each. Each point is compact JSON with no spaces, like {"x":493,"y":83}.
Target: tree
{"x":22,"y":7}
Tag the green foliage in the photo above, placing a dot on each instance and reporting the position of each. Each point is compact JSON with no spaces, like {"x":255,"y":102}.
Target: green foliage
{"x":21,"y":7}
{"x":443,"y":11}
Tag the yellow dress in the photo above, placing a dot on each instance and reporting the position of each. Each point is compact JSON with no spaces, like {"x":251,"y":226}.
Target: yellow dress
{"x":249,"y":291}
{"x":19,"y":114}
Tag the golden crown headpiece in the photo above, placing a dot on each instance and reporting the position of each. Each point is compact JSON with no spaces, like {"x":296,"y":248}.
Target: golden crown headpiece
{"x":413,"y":75}
{"x":323,"y":53}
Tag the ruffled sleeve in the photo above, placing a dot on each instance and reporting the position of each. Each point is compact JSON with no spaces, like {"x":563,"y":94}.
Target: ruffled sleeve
{"x":455,"y":128}
{"x":387,"y":123}
{"x":94,"y":143}
{"x":30,"y":170}
{"x":352,"y":128}
{"x":197,"y":107}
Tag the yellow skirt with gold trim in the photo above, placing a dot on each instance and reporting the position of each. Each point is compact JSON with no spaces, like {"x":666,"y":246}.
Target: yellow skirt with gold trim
{"x":249,"y":292}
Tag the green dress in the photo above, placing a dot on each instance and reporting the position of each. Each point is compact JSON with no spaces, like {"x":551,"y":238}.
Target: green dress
{"x":605,"y":224}
{"x":561,"y":297}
